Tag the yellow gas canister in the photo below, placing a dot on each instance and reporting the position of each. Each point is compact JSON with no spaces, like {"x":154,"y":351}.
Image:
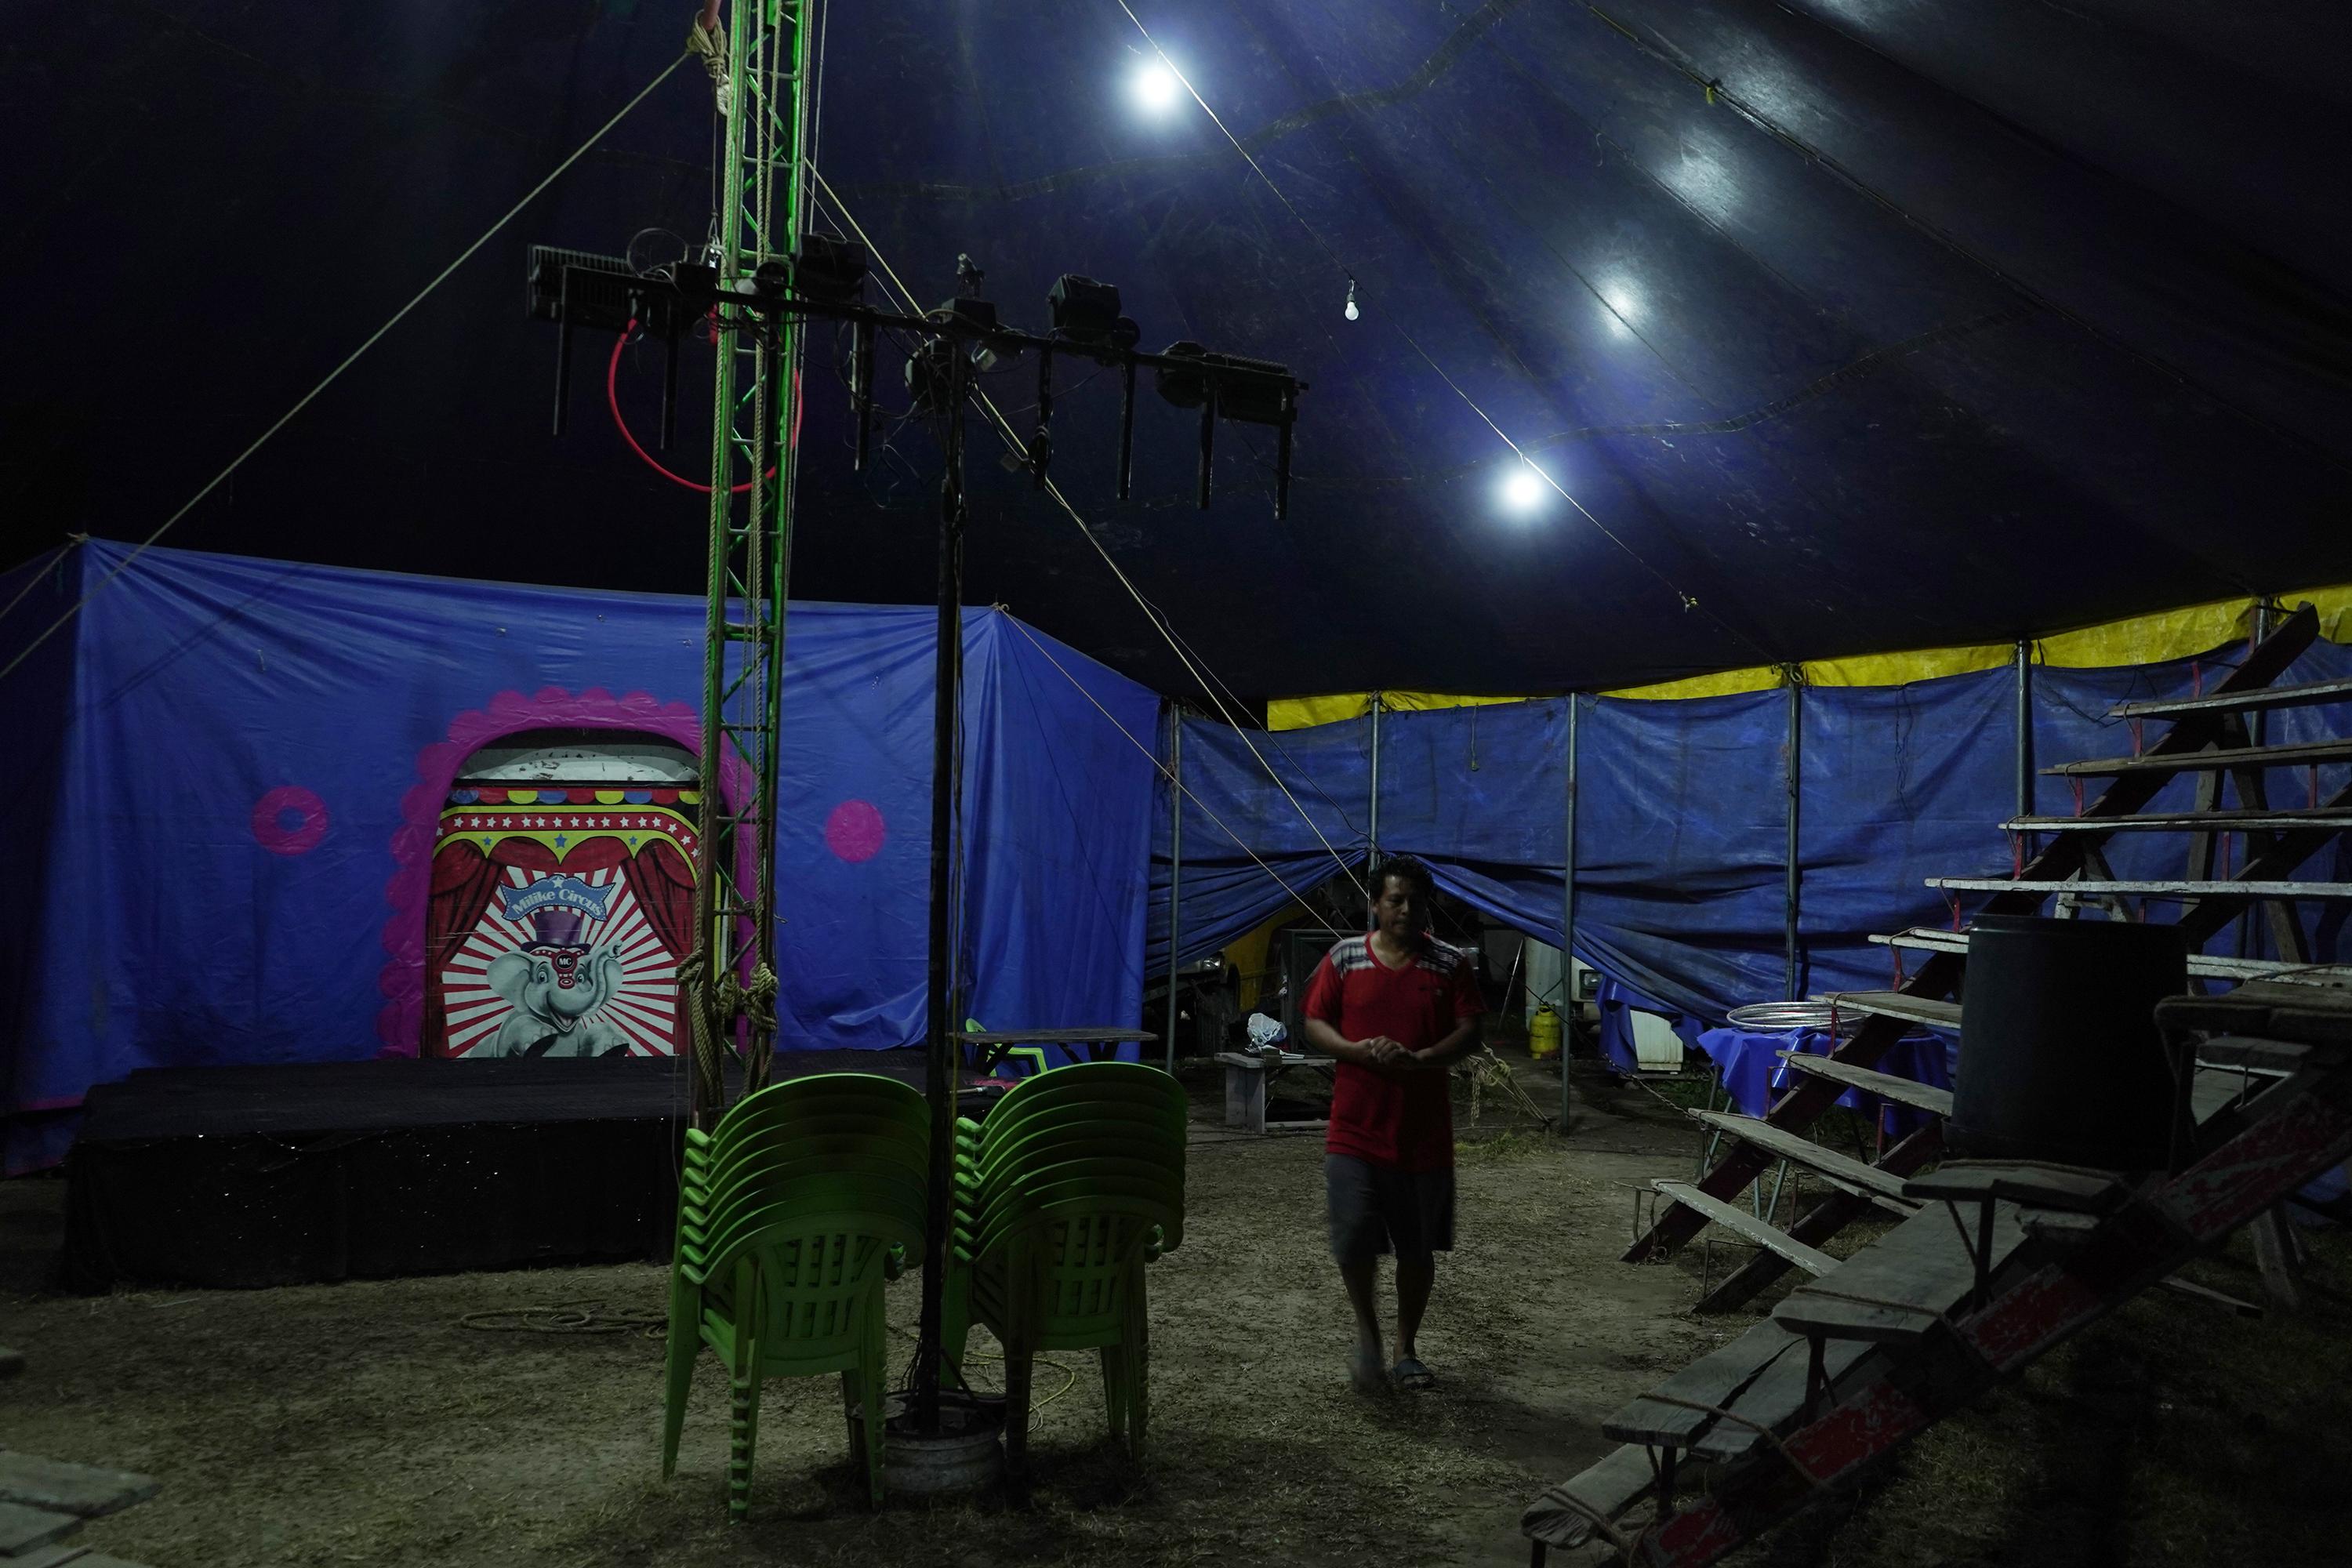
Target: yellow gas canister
{"x":1543,"y":1033}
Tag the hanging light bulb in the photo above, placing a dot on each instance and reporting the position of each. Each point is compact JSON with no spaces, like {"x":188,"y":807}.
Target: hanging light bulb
{"x":1352,"y":311}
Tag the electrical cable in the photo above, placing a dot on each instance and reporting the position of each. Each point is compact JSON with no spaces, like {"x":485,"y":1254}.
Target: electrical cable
{"x":1151,"y":612}
{"x":563,"y":1318}
{"x":612,"y":401}
{"x":1687,"y":601}
{"x":352,"y":358}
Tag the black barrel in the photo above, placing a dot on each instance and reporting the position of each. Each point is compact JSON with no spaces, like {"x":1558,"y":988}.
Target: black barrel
{"x":2060,"y":1056}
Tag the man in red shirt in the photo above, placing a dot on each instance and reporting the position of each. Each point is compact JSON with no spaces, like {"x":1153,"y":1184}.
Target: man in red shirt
{"x":1397,"y":1008}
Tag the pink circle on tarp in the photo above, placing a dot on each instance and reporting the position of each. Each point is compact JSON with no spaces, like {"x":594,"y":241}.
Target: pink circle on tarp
{"x":855,"y":831}
{"x":290,"y":820}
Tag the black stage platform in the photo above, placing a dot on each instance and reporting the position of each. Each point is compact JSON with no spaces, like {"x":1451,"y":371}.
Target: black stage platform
{"x":314,"y":1171}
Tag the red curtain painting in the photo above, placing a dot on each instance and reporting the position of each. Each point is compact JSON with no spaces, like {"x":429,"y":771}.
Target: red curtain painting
{"x":662,"y":881}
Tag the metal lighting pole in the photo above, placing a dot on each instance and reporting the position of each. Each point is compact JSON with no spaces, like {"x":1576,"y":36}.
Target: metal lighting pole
{"x":1175,"y":865}
{"x":2024,"y":727}
{"x":1795,"y":764}
{"x":1568,"y":919}
{"x":940,"y":1066}
{"x":1372,"y":834}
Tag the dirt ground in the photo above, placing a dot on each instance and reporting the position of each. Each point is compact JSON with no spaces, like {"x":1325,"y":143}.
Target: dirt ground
{"x":366,"y":1423}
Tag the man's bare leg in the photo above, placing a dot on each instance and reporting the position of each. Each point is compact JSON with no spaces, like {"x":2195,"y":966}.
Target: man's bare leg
{"x":1361,"y":1276}
{"x":1414,"y":1279}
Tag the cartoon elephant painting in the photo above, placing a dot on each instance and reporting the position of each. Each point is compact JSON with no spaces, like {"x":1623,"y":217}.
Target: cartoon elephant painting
{"x":555,"y":992}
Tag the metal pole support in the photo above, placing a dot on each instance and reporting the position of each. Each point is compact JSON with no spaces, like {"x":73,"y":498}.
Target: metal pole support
{"x":1567,"y":913}
{"x":1175,"y":866}
{"x":1795,"y":760}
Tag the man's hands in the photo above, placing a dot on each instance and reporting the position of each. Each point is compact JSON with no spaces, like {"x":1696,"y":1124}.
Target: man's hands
{"x":1380,"y":1051}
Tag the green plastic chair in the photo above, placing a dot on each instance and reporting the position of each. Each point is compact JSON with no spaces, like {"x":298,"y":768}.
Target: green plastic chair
{"x":1073,"y":1184}
{"x":1010,"y":1203}
{"x":1067,"y":1275}
{"x":788,"y":1228}
{"x":1122,"y":1099}
{"x":800,"y":1102}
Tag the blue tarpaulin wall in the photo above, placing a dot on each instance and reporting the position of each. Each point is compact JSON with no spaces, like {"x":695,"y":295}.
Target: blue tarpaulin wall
{"x":223,"y":787}
{"x":1682,"y":817}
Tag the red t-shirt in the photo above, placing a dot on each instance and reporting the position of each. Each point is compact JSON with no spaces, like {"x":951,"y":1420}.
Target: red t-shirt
{"x":1403,"y":1120}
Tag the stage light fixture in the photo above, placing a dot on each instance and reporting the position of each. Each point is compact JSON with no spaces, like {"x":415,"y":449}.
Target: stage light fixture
{"x":1157,"y":88}
{"x":979,"y":315}
{"x":1083,"y":309}
{"x":830,"y":269}
{"x":1524,"y":488}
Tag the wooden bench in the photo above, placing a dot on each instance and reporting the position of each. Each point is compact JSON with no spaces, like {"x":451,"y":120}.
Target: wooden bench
{"x":1249,"y":1079}
{"x":1839,"y":1171}
{"x":1565,"y":1515}
{"x":1759,"y":1378}
{"x":1886,"y":1084}
{"x":1749,"y":1226}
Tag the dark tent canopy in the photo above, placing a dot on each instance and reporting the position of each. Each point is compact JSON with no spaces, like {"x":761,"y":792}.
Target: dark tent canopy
{"x":1861,"y":325}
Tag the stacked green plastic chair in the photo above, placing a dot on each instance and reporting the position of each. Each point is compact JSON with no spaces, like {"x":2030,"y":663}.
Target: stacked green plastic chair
{"x":1074,"y":1183}
{"x":793,"y":1214}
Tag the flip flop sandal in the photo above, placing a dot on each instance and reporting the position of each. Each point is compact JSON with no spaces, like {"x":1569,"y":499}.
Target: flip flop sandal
{"x":1364,"y":1371}
{"x":1412,"y":1375}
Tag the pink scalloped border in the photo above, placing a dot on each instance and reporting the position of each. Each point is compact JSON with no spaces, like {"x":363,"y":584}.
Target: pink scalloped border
{"x":401,"y":1023}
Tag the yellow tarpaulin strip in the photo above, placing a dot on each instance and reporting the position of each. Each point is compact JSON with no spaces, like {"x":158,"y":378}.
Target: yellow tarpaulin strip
{"x":2142,"y":640}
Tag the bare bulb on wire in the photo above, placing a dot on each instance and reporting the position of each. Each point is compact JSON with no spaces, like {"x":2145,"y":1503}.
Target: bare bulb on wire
{"x":1352,"y":311}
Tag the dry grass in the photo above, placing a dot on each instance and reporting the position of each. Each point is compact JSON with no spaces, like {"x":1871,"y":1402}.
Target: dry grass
{"x":363,"y":1423}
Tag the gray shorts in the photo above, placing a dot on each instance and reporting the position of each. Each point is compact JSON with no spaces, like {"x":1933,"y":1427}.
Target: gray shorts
{"x":1374,"y":1210}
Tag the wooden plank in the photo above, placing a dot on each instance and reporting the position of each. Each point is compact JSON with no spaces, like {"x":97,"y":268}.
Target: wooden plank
{"x":1896,"y":1005}
{"x":2236,"y":1050}
{"x":2067,"y":1227}
{"x":2211,"y":1297}
{"x":85,"y":1490}
{"x":1900,"y":1286}
{"x":2147,"y":888}
{"x":2308,"y":1015}
{"x":1610,"y":1488}
{"x":1741,"y":1222}
{"x":1836,"y":1209}
{"x":56,"y":1556}
{"x":2207,"y":966}
{"x":2304,"y":696}
{"x":2212,"y":1092}
{"x":1776,"y":1400}
{"x":1886,"y":1084}
{"x":2198,"y":762}
{"x":2020,"y":1182}
{"x":1055,"y":1036}
{"x":1840,"y":1169}
{"x":2274,"y":1258}
{"x":2187,"y":821}
{"x":1721,"y":1379}
{"x":23,"y":1528}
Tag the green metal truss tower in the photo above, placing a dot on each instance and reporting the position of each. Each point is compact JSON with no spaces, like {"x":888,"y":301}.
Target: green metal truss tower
{"x":759,"y":83}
